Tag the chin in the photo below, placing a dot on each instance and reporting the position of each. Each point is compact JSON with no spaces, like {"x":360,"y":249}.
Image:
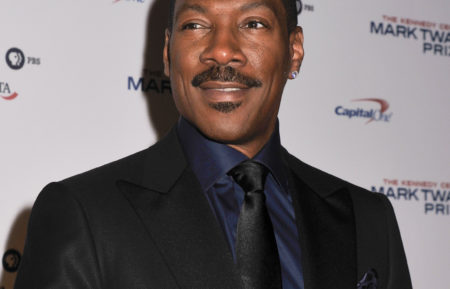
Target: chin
{"x":227,"y":133}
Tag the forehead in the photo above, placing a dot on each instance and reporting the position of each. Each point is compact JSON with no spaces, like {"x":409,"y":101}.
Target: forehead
{"x":205,"y":6}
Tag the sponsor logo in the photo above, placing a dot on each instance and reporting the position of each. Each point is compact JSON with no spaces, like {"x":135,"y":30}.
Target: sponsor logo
{"x":6,"y":93}
{"x":380,"y":113}
{"x":150,"y":82}
{"x":303,"y":7}
{"x":15,"y":58}
{"x":433,"y":196}
{"x":11,"y":260}
{"x":299,"y":6}
{"x":435,"y":37}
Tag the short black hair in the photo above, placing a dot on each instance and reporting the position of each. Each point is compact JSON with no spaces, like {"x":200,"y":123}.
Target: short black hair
{"x":289,"y":5}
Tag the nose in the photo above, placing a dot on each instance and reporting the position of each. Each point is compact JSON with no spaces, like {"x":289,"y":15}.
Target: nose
{"x":223,"y":48}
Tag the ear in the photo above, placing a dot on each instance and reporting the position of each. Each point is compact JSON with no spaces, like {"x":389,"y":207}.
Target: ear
{"x":166,"y":56}
{"x":296,"y":49}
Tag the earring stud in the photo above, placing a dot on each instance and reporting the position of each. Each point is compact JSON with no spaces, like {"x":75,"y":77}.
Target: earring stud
{"x":294,"y":74}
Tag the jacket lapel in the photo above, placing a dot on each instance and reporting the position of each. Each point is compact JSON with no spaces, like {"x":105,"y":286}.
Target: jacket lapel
{"x":326,"y":226}
{"x":171,"y":205}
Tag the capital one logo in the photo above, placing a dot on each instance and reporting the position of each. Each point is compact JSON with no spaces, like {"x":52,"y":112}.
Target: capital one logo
{"x":377,"y":112}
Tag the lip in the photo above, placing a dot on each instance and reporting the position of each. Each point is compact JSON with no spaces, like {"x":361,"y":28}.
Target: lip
{"x":223,"y":91}
{"x":222,"y":85}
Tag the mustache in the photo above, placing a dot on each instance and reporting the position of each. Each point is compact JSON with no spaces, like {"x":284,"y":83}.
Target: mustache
{"x":225,"y":74}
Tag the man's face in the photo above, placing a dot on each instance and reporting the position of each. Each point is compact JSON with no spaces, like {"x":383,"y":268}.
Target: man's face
{"x":228,"y":62}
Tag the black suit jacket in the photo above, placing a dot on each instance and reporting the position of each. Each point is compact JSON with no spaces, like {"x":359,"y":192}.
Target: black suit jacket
{"x":144,"y":222}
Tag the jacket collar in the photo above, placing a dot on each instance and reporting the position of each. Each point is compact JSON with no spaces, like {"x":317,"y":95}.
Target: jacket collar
{"x":314,"y":178}
{"x":166,"y":192}
{"x":163,"y":165}
{"x":326,"y":225}
{"x":171,"y":205}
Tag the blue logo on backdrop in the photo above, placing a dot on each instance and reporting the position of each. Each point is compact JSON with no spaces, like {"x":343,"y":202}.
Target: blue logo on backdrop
{"x":433,"y":196}
{"x":150,"y":81}
{"x":435,"y":37}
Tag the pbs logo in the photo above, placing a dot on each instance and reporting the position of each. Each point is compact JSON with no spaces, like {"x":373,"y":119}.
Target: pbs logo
{"x":299,"y":7}
{"x":15,"y":58}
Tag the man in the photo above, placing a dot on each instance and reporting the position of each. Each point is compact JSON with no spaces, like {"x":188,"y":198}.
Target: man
{"x":189,"y":212}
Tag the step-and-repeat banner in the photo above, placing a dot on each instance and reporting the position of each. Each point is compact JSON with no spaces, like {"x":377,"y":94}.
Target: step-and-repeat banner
{"x":81,"y":84}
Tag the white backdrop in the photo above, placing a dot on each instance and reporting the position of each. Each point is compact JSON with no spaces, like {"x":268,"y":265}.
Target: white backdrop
{"x":77,"y":102}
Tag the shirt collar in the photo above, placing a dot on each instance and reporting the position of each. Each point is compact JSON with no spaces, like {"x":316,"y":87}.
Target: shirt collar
{"x":211,"y":160}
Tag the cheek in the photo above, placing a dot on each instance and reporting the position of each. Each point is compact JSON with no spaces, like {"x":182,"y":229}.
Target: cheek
{"x":184,"y":67}
{"x":268,"y":60}
{"x":182,"y":73}
{"x":259,"y":57}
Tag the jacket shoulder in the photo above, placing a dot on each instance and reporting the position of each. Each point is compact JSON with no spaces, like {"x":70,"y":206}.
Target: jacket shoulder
{"x":123,"y":168}
{"x":325,"y":183}
{"x":379,"y":243}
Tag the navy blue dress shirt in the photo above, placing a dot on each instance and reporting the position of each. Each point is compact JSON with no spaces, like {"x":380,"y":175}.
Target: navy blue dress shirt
{"x":211,"y":162}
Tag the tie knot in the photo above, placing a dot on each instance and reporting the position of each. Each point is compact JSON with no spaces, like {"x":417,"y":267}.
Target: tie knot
{"x":250,"y":175}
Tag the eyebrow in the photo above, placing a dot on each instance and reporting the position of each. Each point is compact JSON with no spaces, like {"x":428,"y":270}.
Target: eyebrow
{"x":194,"y":7}
{"x":203,"y":10}
{"x":254,"y":5}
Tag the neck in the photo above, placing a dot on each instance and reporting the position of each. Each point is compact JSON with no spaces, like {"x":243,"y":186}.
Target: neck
{"x":251,"y":148}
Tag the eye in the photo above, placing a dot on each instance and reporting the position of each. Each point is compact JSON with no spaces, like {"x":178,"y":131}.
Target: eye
{"x":192,"y":26}
{"x":254,"y":24}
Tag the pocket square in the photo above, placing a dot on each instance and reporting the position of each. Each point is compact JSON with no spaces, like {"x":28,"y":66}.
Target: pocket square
{"x":369,"y":280}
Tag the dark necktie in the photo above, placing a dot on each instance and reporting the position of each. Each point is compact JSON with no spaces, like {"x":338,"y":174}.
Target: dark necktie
{"x":256,"y":248}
